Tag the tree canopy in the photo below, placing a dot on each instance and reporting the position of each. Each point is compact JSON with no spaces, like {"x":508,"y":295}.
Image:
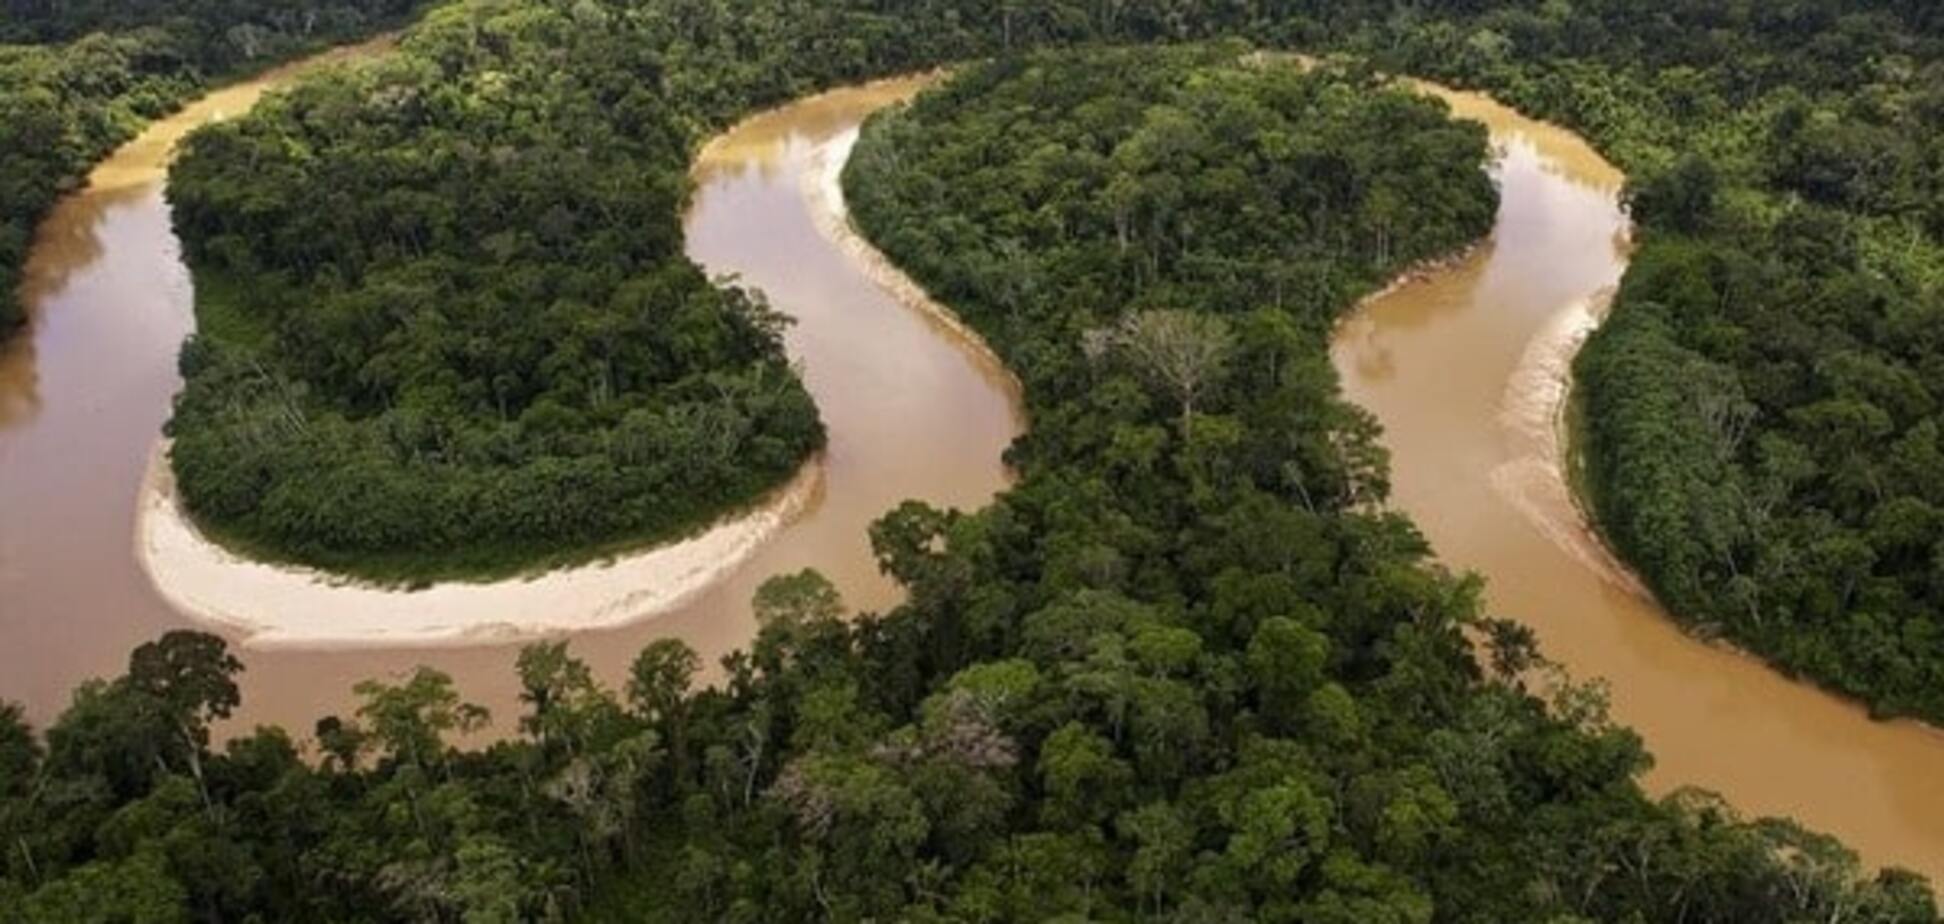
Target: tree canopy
{"x":1189,"y":667}
{"x":79,"y":79}
{"x":446,"y":324}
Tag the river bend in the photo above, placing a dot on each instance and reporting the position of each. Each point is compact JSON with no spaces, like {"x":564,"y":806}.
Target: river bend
{"x":1465,"y":368}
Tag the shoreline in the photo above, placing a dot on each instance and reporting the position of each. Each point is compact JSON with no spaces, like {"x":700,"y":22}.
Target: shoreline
{"x":274,"y":606}
{"x":823,"y":189}
{"x":269,"y":605}
{"x":1421,"y":271}
{"x":277,"y":606}
{"x":1533,"y":410}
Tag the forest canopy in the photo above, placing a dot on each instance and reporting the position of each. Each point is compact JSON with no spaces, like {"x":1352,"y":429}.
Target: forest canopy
{"x":79,"y":79}
{"x":446,"y":325}
{"x":1187,"y":669}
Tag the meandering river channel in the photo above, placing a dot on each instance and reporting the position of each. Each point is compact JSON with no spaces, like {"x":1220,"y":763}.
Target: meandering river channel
{"x":913,"y":411}
{"x":1464,"y":368}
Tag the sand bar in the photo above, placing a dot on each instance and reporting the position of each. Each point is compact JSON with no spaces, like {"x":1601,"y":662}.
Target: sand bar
{"x":279,"y":606}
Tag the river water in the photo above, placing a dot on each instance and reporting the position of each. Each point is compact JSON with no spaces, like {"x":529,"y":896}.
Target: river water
{"x":912,"y":412}
{"x":1462,"y":368}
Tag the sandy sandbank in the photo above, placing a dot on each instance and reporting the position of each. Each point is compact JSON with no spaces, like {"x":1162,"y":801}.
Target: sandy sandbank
{"x":275,"y":606}
{"x":1533,"y":412}
{"x":823,"y":187}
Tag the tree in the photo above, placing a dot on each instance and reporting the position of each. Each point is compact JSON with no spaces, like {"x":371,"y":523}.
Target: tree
{"x":1084,"y":780}
{"x":20,"y":752}
{"x":138,"y":890}
{"x":487,"y":887}
{"x":410,"y":720}
{"x":342,"y":742}
{"x":1287,"y":661}
{"x":191,"y":676}
{"x":658,"y":688}
{"x":1681,"y":198}
{"x":567,"y":705}
{"x":1164,"y":840}
{"x":791,"y":611}
{"x":797,"y":601}
{"x":1184,"y":353}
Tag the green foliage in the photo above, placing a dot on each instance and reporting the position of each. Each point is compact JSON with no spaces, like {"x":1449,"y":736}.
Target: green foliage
{"x":79,"y":79}
{"x":1186,"y":668}
{"x":486,"y":350}
{"x":219,"y":35}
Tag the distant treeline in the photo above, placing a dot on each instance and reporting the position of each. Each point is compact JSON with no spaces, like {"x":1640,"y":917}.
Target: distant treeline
{"x":219,"y":36}
{"x":79,"y":79}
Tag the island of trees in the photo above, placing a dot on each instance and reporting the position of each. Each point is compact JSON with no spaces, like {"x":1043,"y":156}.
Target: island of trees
{"x":77,"y":79}
{"x":1188,"y":669}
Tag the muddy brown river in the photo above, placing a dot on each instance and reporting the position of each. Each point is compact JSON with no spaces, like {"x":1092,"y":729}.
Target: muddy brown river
{"x":1463,"y":368}
{"x":912,"y":410}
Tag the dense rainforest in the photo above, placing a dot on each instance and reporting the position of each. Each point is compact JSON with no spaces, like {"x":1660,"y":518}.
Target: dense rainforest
{"x":1188,"y":669}
{"x":446,"y":323}
{"x":79,"y":79}
{"x":1759,"y":423}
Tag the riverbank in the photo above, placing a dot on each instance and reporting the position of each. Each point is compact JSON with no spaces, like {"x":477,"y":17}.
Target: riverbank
{"x":1536,"y":410}
{"x":280,"y":606}
{"x":134,"y":95}
{"x":823,"y":188}
{"x":1470,"y":374}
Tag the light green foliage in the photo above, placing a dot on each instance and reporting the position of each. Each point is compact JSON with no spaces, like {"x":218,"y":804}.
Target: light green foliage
{"x":798,"y":601}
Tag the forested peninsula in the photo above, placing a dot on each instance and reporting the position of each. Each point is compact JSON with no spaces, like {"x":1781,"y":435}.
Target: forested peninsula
{"x":445,"y":325}
{"x":1189,"y":668}
{"x":78,"y":79}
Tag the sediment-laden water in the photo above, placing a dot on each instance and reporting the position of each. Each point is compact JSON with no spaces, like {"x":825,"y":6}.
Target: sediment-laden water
{"x":1465,"y":368}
